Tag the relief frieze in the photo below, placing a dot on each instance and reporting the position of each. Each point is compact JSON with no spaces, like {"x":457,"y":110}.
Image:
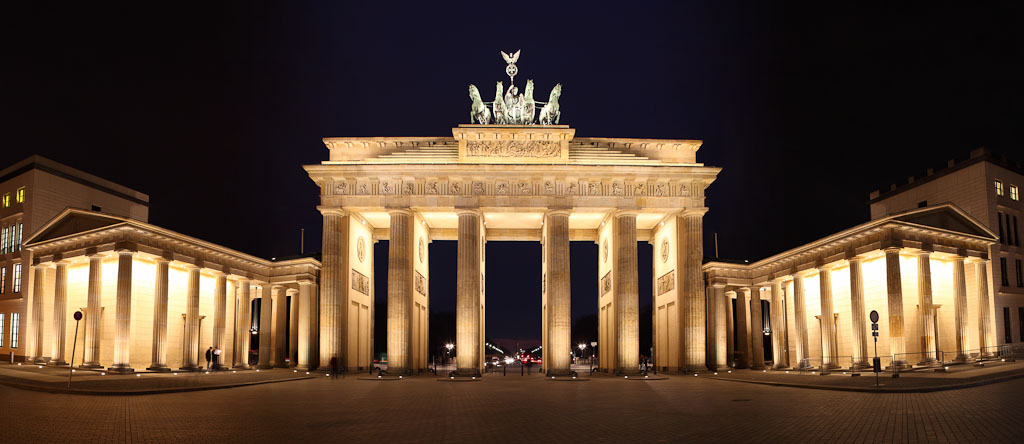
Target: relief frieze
{"x":360,"y":283}
{"x":667,"y":282}
{"x":606,"y":283}
{"x":514,"y":148}
{"x":421,"y":284}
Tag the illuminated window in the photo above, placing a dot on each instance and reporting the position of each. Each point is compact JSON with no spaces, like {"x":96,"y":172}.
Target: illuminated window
{"x":16,"y":281}
{"x":3,"y":240}
{"x":20,"y":231}
{"x":999,"y":187}
{"x":7,"y":200}
{"x":3,"y":280}
{"x":20,"y":195}
{"x":1013,"y":193}
{"x":1,"y":329}
{"x":15,"y":318}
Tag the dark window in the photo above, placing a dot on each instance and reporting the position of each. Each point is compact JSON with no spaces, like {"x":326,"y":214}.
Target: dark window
{"x":922,"y":204}
{"x":1006,"y":325}
{"x":1002,"y":239}
{"x":1020,"y":320}
{"x":1020,"y":274}
{"x":1016,"y":234}
{"x":1002,"y":272}
{"x":97,"y":208}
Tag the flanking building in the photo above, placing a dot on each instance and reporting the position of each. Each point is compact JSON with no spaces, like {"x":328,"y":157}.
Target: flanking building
{"x":988,"y":187}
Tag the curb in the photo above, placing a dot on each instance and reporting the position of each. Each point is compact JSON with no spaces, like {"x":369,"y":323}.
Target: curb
{"x":881,"y":390}
{"x":65,"y":391}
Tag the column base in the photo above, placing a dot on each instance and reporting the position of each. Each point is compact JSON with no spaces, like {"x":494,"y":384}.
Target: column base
{"x":628,"y":372}
{"x":57,"y":362}
{"x":158,"y":368}
{"x":42,"y":360}
{"x":281,"y":365}
{"x":264,"y":366}
{"x":191,"y":368}
{"x":241,"y":367}
{"x":221,"y":367}
{"x":305,"y":368}
{"x":92,"y":365}
{"x":120,"y":368}
{"x":560,"y":372}
{"x":928,"y":361}
{"x":758,"y":367}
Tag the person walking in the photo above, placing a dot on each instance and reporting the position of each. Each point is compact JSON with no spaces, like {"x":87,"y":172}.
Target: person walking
{"x":216,"y":357}
{"x":334,"y":367}
{"x":209,"y":356}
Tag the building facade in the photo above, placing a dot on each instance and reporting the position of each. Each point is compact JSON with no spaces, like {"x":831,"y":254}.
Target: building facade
{"x":32,"y":192}
{"x":988,"y":187}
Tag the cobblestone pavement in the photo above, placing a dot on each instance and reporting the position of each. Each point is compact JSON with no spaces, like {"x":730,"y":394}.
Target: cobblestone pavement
{"x":519,"y":409}
{"x":919,"y":380}
{"x":47,"y":378}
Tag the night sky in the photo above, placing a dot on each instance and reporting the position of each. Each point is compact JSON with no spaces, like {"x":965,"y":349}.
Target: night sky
{"x":211,"y":109}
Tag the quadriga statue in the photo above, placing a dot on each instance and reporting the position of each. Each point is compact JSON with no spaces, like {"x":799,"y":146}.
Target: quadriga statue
{"x":549,"y":113}
{"x":478,"y":111}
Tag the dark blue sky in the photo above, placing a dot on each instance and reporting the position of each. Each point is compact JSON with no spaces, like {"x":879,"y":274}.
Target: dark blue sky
{"x":212,"y":108}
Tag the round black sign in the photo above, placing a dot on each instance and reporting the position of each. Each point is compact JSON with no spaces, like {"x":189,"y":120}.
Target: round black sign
{"x":78,"y":315}
{"x":873,"y":316}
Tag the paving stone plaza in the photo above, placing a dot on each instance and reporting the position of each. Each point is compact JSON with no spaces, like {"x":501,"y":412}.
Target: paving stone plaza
{"x":518,"y":409}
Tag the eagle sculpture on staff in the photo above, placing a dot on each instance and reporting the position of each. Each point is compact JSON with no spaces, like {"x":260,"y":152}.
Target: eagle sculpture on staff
{"x":509,"y":106}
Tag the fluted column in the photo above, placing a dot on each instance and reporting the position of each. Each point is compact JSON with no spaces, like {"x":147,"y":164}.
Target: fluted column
{"x":960,"y":307}
{"x":742,"y":332}
{"x":36,"y":326}
{"x":756,"y":329}
{"x":293,"y":326}
{"x":60,"y":314}
{"x":779,"y":354}
{"x":190,"y":350}
{"x":242,"y":334}
{"x":986,"y":324}
{"x":800,"y":313}
{"x":220,"y":315}
{"x":331,"y":322}
{"x":159,"y":361}
{"x":894,"y":289}
{"x":93,"y":312}
{"x":400,"y":290}
{"x":123,"y":313}
{"x":693,"y":325}
{"x":280,"y":325}
{"x":467,"y":305}
{"x":860,"y":335}
{"x":730,"y":327}
{"x":627,"y":302}
{"x":266,"y":325}
{"x":307,"y":339}
{"x":828,"y":319}
{"x":559,"y":319}
{"x":926,"y":320}
{"x":721,"y":326}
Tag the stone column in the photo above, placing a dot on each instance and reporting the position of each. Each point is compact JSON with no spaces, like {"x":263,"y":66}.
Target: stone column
{"x":280,"y":326}
{"x":860,"y":335}
{"x":307,"y":313}
{"x":722,"y":341}
{"x":894,"y":289}
{"x":159,"y":361}
{"x":800,"y":313}
{"x":242,"y":334}
{"x":190,"y":350}
{"x":467,"y":305}
{"x":93,"y":312}
{"x":689,"y":227}
{"x":627,"y":299}
{"x":986,"y":324}
{"x":60,"y":314}
{"x":220,"y":316}
{"x":293,"y":326}
{"x":960,"y":307}
{"x":756,"y":330}
{"x":36,"y":326}
{"x":266,"y":325}
{"x":926,"y":320}
{"x":559,"y":317}
{"x":400,"y":291}
{"x":730,"y":327}
{"x":828,"y":319}
{"x":742,"y":333}
{"x":123,"y":314}
{"x":778,"y":314}
{"x":332,"y":323}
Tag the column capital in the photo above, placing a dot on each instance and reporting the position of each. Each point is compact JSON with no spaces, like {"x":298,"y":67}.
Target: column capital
{"x":623,"y":213}
{"x":693,"y":211}
{"x":217,"y":273}
{"x":470,"y":211}
{"x":331,"y":211}
{"x":126,"y":251}
{"x":827,"y":267}
{"x":923,"y":253}
{"x":399,"y":211}
{"x":306,"y":282}
{"x":558,"y":212}
{"x":889,"y":250}
{"x":291,"y":291}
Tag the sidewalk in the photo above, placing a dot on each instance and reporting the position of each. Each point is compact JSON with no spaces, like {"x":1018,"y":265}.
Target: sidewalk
{"x":918,"y":381}
{"x":99,"y":382}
